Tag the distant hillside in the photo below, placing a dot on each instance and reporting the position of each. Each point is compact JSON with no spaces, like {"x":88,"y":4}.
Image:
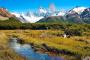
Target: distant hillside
{"x":59,"y":19}
{"x":54,"y":19}
{"x":11,"y":23}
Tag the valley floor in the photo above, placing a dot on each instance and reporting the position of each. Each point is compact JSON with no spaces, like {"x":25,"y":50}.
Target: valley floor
{"x":46,"y":41}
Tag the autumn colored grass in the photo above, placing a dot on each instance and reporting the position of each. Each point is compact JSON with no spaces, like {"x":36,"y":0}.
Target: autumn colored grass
{"x":79,"y":45}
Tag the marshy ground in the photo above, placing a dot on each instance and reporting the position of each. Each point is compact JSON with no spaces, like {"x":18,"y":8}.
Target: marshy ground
{"x":46,"y":41}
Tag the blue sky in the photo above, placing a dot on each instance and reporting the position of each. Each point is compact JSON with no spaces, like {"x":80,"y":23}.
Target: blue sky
{"x":23,"y":5}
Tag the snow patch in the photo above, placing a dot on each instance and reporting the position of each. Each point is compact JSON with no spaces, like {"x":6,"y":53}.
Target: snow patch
{"x":79,"y":9}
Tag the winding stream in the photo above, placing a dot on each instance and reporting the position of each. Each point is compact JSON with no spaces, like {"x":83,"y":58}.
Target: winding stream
{"x":26,"y":51}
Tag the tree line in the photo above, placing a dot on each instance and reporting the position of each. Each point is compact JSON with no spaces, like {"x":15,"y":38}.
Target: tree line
{"x":13,"y":23}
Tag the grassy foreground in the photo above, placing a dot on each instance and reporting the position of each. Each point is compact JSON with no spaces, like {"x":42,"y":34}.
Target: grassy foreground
{"x":75,"y":45}
{"x":5,"y":52}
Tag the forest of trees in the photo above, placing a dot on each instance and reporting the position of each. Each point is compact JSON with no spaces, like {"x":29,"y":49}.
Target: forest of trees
{"x":13,"y":23}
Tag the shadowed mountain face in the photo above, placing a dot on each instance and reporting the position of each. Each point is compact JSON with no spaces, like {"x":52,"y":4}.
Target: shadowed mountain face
{"x":86,"y":13}
{"x":73,"y":17}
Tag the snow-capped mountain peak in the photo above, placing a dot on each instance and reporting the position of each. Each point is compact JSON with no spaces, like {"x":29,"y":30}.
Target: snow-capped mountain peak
{"x":30,"y":18}
{"x":41,"y":10}
{"x":16,"y":14}
{"x":79,"y":9}
{"x":61,"y":14}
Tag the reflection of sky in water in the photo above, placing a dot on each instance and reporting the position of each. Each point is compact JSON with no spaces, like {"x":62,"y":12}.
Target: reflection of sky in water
{"x":27,"y":51}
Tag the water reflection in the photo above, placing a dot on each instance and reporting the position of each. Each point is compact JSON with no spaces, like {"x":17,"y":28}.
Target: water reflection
{"x":27,"y":51}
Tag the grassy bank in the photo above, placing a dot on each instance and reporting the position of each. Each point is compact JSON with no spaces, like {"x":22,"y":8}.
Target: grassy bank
{"x":5,"y":52}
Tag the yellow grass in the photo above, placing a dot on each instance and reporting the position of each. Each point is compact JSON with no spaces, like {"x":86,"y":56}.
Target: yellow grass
{"x":34,"y":36}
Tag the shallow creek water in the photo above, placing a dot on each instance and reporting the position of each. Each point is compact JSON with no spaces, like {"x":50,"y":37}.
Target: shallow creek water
{"x":26,"y":51}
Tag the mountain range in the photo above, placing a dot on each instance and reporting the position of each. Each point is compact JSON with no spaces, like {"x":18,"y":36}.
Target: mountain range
{"x":75,"y":15}
{"x":42,"y":15}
